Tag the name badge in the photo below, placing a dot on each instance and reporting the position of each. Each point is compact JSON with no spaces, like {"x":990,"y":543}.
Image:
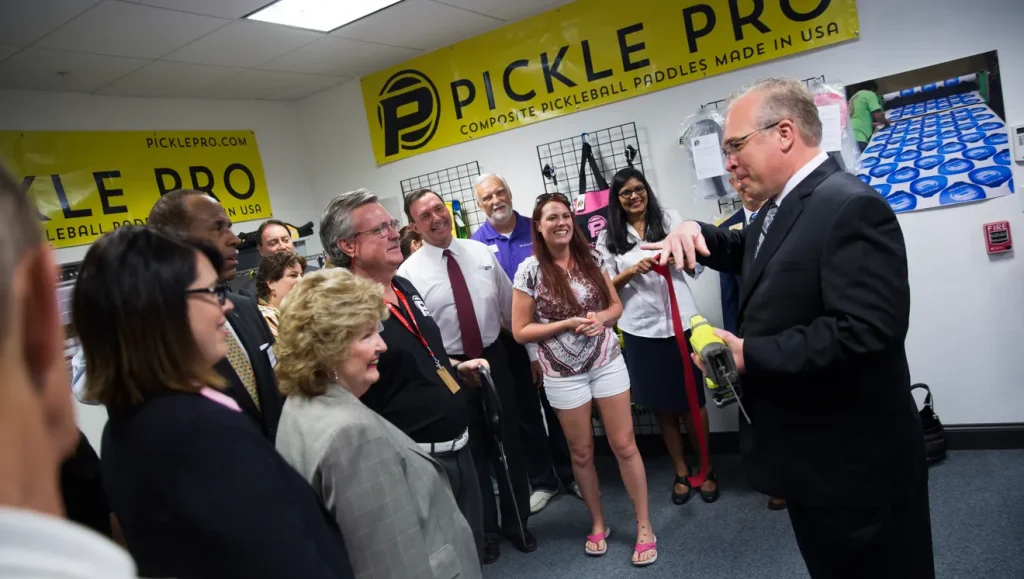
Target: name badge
{"x":446,"y":377}
{"x":494,"y":248}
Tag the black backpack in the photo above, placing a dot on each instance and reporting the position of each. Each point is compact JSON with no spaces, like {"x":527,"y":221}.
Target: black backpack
{"x":934,"y":434}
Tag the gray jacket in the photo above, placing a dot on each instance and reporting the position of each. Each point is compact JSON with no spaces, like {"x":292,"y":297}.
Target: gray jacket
{"x":392,"y":501}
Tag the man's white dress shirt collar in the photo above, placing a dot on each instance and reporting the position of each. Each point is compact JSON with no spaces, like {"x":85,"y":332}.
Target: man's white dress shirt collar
{"x":800,"y":175}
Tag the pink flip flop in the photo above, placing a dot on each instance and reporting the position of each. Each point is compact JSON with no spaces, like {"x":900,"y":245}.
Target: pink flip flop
{"x":597,"y":538}
{"x":642,"y":548}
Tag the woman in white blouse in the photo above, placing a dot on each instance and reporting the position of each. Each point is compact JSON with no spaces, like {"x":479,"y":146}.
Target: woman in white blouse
{"x":634,"y":217}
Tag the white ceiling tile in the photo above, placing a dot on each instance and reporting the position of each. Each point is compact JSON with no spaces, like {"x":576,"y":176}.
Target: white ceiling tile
{"x":22,"y":22}
{"x":122,"y":29}
{"x":6,"y":51}
{"x":341,"y":57}
{"x":39,"y":69}
{"x":169,"y":79}
{"x":244,"y":43}
{"x":220,"y":8}
{"x":481,"y":6}
{"x":266,"y":85}
{"x":519,"y":9}
{"x":309,"y":87}
{"x":418,"y":24}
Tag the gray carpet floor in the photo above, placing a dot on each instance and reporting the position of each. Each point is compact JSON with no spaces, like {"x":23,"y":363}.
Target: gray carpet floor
{"x":977,"y":505}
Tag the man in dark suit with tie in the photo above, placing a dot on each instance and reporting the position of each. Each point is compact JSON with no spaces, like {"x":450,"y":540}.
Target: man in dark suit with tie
{"x":824,"y":311}
{"x":249,"y":367}
{"x":730,"y":283}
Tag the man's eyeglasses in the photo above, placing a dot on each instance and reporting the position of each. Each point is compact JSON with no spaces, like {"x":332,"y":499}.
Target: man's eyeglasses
{"x":382,"y":229}
{"x":219,"y":291}
{"x":639,"y":191}
{"x":734,"y":146}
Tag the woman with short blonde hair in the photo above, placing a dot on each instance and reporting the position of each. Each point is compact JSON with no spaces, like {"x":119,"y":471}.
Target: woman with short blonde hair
{"x":390,"y":498}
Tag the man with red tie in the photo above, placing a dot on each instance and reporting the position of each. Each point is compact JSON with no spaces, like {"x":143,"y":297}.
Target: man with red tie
{"x":468,"y":295}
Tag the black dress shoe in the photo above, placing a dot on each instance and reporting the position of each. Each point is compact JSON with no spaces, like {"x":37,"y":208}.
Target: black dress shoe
{"x":527,"y":546}
{"x":776,"y":504}
{"x":710,"y":496}
{"x":491,"y":550}
{"x":681,"y":498}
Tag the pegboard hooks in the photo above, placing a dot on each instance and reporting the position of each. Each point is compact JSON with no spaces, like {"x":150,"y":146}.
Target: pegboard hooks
{"x":549,"y":173}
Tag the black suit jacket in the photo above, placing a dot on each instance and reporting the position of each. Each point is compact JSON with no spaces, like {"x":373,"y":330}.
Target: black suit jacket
{"x":730,"y":283}
{"x":824,"y":310}
{"x":252,"y":330}
{"x":201,"y":493}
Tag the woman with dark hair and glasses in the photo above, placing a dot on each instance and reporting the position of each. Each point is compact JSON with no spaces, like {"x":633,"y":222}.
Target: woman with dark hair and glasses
{"x":565,"y":303}
{"x":277,"y":275}
{"x":198,"y":489}
{"x":634,"y":217}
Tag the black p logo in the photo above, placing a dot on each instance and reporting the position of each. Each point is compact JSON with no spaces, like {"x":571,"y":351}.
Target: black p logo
{"x":408,"y":111}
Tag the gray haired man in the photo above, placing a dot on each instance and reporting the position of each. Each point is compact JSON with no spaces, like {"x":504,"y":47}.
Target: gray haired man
{"x":416,"y":391}
{"x":824,"y":308}
{"x":37,"y":420}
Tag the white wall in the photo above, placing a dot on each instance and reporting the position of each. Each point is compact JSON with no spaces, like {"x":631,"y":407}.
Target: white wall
{"x":276,"y":132}
{"x":967,"y":319}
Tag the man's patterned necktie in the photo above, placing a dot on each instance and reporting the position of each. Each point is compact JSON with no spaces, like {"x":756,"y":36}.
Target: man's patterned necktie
{"x":243,"y":367}
{"x":769,"y":216}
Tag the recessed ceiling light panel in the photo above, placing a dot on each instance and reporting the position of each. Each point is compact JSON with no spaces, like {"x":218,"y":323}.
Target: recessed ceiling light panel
{"x":319,"y":15}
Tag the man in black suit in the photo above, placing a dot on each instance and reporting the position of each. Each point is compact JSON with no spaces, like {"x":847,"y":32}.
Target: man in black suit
{"x":824,"y":310}
{"x":730,"y":283}
{"x":249,"y":367}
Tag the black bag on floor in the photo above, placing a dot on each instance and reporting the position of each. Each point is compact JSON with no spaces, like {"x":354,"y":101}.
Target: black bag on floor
{"x":934,"y":434}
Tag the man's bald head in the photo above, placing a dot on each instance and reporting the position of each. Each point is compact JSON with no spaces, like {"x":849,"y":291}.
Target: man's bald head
{"x":191,"y":214}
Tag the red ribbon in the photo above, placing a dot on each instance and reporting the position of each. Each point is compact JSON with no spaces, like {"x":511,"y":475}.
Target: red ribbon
{"x":691,"y":383}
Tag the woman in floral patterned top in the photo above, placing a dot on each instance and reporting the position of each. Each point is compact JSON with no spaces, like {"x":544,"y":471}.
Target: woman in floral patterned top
{"x":567,"y":305}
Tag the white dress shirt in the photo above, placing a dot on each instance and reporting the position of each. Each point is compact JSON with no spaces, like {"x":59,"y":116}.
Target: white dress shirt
{"x":800,"y":175}
{"x":489,"y":289}
{"x":748,"y":216}
{"x":38,"y":546}
{"x":645,"y":302}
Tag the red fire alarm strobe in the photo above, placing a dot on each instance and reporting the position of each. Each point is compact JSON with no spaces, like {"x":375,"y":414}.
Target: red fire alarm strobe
{"x":997,"y":237}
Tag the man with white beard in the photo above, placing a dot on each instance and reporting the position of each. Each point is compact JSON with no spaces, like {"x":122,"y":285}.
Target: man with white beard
{"x":509,"y":236}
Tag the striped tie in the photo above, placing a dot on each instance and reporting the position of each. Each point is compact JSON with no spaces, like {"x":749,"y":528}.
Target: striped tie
{"x":769,"y":216}
{"x":243,"y":367}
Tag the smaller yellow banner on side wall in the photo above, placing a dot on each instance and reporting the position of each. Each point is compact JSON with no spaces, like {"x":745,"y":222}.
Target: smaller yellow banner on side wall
{"x":85,"y":184}
{"x":583,"y":55}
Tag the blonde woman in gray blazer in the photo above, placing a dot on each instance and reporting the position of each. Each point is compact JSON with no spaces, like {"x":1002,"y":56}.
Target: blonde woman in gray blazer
{"x":391,"y":499}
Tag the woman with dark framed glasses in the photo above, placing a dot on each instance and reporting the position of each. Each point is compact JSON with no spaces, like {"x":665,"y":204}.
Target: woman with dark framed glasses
{"x":635,"y":216}
{"x":197,"y":487}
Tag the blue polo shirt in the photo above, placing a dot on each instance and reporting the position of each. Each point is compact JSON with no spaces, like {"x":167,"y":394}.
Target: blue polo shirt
{"x":511,"y":250}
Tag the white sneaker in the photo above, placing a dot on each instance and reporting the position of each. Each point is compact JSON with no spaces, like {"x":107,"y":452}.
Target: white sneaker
{"x":539,"y":500}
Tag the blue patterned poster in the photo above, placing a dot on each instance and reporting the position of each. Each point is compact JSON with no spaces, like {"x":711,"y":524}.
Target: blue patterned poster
{"x":940,"y":152}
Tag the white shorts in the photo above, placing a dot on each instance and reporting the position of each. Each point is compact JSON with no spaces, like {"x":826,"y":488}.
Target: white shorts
{"x":568,"y":392}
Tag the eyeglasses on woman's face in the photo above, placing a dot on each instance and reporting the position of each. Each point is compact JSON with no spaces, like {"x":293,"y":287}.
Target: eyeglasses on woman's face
{"x":639,"y":191}
{"x":220,"y":292}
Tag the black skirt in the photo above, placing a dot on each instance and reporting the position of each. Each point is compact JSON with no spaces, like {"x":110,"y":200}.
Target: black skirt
{"x":656,"y":374}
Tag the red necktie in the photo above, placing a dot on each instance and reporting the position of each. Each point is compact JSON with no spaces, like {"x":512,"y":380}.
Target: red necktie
{"x":472,"y":344}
